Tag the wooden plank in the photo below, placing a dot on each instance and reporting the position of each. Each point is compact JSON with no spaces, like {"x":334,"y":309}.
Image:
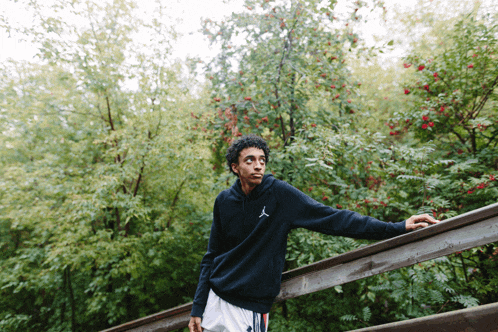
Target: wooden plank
{"x":164,"y":325}
{"x":442,"y":244}
{"x":482,"y":318}
{"x":167,"y":320}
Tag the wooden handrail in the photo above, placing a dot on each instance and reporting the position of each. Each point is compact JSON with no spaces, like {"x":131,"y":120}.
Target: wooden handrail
{"x":468,"y":230}
{"x":483,"y":318}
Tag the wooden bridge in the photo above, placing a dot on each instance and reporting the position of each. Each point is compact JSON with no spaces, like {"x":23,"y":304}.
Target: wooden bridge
{"x":469,"y":230}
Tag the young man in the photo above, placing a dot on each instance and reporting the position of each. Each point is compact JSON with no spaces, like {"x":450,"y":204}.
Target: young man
{"x":241,"y":271}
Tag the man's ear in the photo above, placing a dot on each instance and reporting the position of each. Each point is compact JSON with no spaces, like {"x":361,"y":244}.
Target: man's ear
{"x":235,"y":168}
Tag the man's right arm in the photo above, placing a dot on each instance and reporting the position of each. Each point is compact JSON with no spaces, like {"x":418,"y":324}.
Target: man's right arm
{"x":213,"y":250}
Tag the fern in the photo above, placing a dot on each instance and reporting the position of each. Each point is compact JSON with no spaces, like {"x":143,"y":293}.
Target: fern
{"x":424,"y":209}
{"x":410,"y":177}
{"x":449,"y":289}
{"x":367,"y":314}
{"x":348,"y":318}
{"x":436,"y":296}
{"x":441,"y":277}
{"x":466,"y":300}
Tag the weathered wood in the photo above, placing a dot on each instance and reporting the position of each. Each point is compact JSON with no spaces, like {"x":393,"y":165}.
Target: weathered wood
{"x":163,"y":321}
{"x":390,"y":259}
{"x":455,"y":234}
{"x":476,"y":319}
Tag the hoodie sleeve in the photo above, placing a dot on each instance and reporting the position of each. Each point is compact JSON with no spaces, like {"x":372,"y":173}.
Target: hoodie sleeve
{"x":213,"y":250}
{"x":305,"y":212}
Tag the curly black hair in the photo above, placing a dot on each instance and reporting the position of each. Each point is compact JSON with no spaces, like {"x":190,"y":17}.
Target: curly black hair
{"x":246,"y":141}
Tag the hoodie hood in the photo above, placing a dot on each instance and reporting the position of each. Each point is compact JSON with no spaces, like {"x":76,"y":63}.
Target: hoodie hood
{"x":260,"y":189}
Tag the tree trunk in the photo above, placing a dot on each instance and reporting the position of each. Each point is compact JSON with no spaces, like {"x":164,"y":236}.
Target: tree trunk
{"x":71,"y":300}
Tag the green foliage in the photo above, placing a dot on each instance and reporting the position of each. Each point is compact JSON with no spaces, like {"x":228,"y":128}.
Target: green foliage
{"x":109,"y":176}
{"x":455,"y":91}
{"x":414,"y":170}
{"x":287,"y":73}
{"x":106,"y":210}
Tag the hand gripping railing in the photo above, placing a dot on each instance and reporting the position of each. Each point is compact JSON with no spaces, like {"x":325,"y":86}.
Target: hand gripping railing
{"x":468,"y":230}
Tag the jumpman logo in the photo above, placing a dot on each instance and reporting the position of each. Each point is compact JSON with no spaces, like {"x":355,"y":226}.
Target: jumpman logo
{"x":263,"y":213}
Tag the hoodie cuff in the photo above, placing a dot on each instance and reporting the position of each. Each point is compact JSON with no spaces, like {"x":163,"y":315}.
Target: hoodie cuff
{"x":401,"y":226}
{"x":197,"y":310}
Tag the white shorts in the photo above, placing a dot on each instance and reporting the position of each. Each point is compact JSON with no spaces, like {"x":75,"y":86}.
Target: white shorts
{"x":221,"y":316}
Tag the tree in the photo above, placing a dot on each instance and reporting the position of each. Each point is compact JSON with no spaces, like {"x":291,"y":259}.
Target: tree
{"x":289,"y":54}
{"x":104,"y":203}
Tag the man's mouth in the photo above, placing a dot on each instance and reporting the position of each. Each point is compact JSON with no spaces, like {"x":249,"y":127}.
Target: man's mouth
{"x":257,"y":175}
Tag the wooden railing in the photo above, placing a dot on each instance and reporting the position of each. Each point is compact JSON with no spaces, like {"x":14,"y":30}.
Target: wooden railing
{"x":469,"y":230}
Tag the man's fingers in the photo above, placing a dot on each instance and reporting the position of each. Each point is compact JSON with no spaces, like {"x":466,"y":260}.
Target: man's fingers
{"x":421,"y":225}
{"x":195,"y":328}
{"x":424,"y":217}
{"x":195,"y":324}
{"x":420,"y":221}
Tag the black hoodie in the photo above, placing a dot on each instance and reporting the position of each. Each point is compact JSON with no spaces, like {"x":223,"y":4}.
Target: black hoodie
{"x":247,"y":246}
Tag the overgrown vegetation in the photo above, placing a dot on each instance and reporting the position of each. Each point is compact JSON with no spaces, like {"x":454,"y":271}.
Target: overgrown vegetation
{"x":109,"y":164}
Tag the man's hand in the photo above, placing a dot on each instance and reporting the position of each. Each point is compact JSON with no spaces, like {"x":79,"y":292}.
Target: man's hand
{"x":419,"y":221}
{"x":195,"y":324}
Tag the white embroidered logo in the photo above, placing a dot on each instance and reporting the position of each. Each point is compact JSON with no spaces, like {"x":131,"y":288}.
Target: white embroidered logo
{"x":263,"y":213}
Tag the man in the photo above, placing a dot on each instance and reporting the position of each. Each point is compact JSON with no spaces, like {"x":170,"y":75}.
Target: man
{"x":241,"y":271}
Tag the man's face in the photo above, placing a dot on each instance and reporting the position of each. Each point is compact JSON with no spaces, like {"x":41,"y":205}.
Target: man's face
{"x":251,"y":166}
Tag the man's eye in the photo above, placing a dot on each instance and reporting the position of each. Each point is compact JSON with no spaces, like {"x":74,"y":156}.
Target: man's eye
{"x":262,"y":161}
{"x":249,"y":160}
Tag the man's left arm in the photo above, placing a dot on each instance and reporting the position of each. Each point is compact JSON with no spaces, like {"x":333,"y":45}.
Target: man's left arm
{"x":305,"y":212}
